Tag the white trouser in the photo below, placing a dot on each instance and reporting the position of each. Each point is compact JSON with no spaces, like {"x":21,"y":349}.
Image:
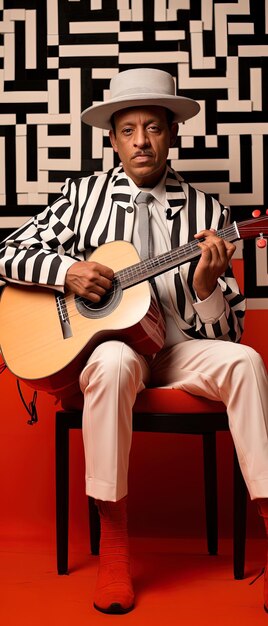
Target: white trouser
{"x":215,"y":369}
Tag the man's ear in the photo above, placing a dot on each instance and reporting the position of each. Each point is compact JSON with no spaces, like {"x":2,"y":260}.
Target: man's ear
{"x":113,"y":140}
{"x":173,"y":134}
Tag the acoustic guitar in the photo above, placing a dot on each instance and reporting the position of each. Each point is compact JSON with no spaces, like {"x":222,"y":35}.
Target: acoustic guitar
{"x":46,"y":336}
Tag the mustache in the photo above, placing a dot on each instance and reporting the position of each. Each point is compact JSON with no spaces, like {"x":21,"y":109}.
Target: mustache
{"x":142,"y":153}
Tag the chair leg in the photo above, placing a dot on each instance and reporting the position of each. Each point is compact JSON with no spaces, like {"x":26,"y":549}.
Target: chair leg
{"x":211,"y":497}
{"x":94,"y":526}
{"x":240,"y":516}
{"x":62,"y":493}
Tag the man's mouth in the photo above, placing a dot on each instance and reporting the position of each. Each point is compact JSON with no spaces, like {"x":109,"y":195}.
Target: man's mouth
{"x":142,"y":156}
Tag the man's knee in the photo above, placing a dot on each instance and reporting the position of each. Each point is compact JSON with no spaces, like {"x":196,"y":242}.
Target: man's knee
{"x":110,"y":360}
{"x":244,"y":359}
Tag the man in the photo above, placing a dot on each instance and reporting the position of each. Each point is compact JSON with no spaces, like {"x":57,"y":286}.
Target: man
{"x":200,"y":300}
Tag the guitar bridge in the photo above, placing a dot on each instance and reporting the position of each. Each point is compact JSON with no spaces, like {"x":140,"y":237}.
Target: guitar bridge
{"x":63,"y":316}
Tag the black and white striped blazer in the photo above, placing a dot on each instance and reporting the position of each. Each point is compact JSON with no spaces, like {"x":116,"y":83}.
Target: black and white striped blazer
{"x":96,"y":209}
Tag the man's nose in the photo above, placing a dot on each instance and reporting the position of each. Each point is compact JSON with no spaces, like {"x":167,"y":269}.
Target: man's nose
{"x":141,"y":138}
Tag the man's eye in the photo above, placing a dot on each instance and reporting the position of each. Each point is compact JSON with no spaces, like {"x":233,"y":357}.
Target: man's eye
{"x":127,"y":131}
{"x":154,"y":128}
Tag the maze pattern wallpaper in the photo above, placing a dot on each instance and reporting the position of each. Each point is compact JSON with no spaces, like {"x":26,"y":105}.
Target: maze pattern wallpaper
{"x":58,"y":56}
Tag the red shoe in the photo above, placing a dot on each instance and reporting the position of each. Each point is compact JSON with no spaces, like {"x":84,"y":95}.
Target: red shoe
{"x":114,"y":592}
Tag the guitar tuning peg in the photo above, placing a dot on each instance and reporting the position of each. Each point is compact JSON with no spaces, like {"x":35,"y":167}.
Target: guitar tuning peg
{"x":256,"y":213}
{"x":261,"y":242}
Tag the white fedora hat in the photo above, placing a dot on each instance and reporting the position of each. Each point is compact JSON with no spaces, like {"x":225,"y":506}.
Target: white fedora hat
{"x":140,"y":87}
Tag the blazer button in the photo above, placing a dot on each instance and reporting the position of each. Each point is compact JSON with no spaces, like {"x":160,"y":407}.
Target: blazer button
{"x":129,"y":209}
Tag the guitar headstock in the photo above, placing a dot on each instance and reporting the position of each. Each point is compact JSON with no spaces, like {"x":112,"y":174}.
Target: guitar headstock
{"x":255,"y":229}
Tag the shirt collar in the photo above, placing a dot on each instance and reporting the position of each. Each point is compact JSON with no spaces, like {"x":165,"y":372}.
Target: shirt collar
{"x":168,"y":192}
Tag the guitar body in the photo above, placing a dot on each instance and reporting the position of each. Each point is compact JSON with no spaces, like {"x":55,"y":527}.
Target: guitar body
{"x":35,"y":343}
{"x":46,"y":337}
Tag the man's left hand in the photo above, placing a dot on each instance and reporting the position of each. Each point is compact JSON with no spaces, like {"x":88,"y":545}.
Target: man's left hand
{"x":215,"y":256}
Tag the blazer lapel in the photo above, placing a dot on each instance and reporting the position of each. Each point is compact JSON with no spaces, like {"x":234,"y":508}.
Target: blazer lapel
{"x":175,"y":195}
{"x":123,"y":206}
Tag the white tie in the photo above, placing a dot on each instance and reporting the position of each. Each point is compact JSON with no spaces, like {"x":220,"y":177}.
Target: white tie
{"x":142,"y":200}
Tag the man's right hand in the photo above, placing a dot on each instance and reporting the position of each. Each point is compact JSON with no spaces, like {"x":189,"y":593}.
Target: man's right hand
{"x":89,"y":279}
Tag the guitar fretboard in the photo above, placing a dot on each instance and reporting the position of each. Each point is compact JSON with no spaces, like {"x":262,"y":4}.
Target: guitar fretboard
{"x":137,"y":273}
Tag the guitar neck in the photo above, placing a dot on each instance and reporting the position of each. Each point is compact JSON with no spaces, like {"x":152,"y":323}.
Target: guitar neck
{"x":149,"y":268}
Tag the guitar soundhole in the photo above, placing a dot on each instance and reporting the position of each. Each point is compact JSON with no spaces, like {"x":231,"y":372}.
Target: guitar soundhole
{"x":107,"y":304}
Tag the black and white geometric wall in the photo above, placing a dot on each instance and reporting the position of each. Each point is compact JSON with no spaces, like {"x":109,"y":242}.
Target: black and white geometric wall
{"x":58,"y":56}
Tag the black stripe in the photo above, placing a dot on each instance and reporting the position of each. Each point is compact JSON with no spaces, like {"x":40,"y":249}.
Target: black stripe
{"x":22,"y":263}
{"x":97,"y":211}
{"x":217,"y":329}
{"x":190,"y":276}
{"x":174,"y":189}
{"x":67,"y":245}
{"x":180,"y":294}
{"x":116,"y":174}
{"x":121,"y":181}
{"x":222,"y":218}
{"x":240,"y":314}
{"x":179,"y":203}
{"x":231,"y":331}
{"x":120,"y":223}
{"x":121,"y":197}
{"x":77,"y":183}
{"x":47,"y":217}
{"x":176,"y":229}
{"x":103,"y":236}
{"x":208,"y":211}
{"x":53,"y":243}
{"x":228,"y":272}
{"x":37,"y":267}
{"x":67,"y":183}
{"x":171,"y":175}
{"x":202,"y":331}
{"x":175,"y":242}
{"x":62,"y":208}
{"x":228,"y":289}
{"x":192,"y":214}
{"x":58,"y":228}
{"x":91,"y":184}
{"x":8,"y":265}
{"x":236,"y":300}
{"x":191,"y":332}
{"x":53,"y":271}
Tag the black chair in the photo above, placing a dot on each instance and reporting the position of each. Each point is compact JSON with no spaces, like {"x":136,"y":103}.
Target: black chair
{"x":164,"y":411}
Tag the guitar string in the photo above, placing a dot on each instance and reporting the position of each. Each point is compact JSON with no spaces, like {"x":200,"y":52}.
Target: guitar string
{"x":229,"y":230}
{"x":140,"y":269}
{"x":127,"y":275}
{"x":71,"y":301}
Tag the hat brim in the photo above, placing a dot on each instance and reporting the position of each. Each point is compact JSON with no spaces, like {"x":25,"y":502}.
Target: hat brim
{"x":99,"y":115}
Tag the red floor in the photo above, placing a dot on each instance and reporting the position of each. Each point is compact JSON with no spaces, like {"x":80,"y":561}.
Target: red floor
{"x":176,"y":583}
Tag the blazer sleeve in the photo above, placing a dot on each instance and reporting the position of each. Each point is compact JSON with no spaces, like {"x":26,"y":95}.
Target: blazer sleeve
{"x":222,"y":315}
{"x":41,"y":251}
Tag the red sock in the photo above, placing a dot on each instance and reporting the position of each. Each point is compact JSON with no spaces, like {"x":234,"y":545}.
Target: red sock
{"x":114,"y":591}
{"x":263,"y":511}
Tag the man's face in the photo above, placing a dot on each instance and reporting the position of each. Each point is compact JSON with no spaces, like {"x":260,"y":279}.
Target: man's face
{"x":142,"y":139}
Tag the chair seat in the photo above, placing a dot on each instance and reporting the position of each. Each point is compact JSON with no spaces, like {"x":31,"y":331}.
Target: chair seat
{"x":163,"y":400}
